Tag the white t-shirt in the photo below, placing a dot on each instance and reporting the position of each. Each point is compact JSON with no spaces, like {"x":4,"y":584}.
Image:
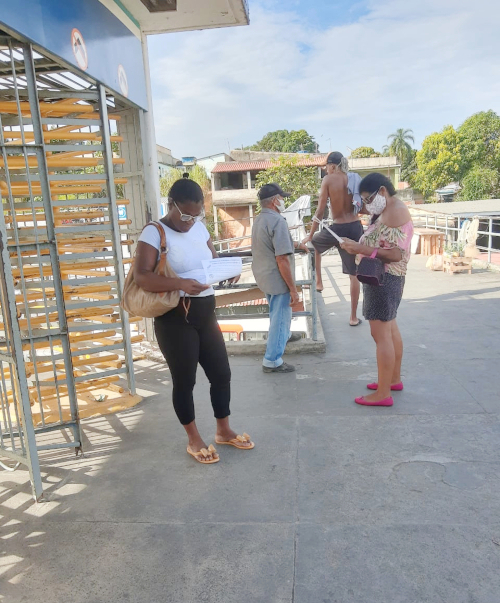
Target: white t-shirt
{"x":186,"y":250}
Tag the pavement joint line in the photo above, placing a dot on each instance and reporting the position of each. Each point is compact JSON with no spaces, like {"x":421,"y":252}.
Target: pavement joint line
{"x":296,"y":506}
{"x":399,"y":414}
{"x":305,"y":523}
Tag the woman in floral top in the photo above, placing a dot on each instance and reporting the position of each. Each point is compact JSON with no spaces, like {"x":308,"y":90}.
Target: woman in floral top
{"x":390,"y":233}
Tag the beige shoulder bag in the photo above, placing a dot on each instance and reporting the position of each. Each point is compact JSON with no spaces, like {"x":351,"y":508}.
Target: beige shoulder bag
{"x":148,"y":304}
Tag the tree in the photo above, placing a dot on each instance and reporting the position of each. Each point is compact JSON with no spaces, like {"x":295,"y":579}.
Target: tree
{"x":481,"y":132}
{"x":283,"y":141}
{"x":363,"y":152}
{"x":480,"y":183}
{"x":197,"y":173}
{"x":399,"y":143}
{"x":170,"y":177}
{"x":292,"y":178}
{"x":409,"y":167}
{"x":441,"y":160}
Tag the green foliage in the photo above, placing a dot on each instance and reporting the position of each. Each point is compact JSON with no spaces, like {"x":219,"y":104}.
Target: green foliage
{"x":197,"y":173}
{"x":363,"y":152}
{"x":409,"y":167}
{"x":469,"y":155}
{"x":399,"y":144}
{"x":456,"y":247}
{"x":481,"y":132}
{"x":166,"y":182}
{"x":283,"y":141}
{"x":480,"y":183}
{"x":441,"y":160}
{"x":292,"y":178}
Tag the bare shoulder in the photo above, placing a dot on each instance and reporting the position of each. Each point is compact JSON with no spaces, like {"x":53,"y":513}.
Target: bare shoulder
{"x":397,"y":215}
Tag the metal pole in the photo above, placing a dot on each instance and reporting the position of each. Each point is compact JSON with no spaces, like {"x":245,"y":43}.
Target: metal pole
{"x":51,"y":236}
{"x":19,"y":369}
{"x":490,"y":239}
{"x":216,"y":223}
{"x":115,"y":228}
{"x":314,"y":297}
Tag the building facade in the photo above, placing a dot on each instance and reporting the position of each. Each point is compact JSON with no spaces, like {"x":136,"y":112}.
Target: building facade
{"x":233,"y":185}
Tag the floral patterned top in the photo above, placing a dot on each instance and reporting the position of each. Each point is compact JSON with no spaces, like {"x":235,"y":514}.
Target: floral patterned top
{"x":380,"y":235}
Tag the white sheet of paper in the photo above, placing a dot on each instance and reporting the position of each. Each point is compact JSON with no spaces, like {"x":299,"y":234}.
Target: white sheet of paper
{"x":198,"y":275}
{"x":221,"y":269}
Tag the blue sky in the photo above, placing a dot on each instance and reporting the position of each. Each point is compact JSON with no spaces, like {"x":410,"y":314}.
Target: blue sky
{"x":350,"y":73}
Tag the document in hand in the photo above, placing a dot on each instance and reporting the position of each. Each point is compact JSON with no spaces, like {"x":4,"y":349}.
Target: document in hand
{"x":221,"y":269}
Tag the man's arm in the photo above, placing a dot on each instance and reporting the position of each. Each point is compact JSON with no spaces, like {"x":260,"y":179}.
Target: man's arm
{"x":286,"y":273}
{"x":320,"y":212}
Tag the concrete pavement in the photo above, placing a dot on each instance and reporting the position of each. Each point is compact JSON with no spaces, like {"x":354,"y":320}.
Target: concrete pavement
{"x":337,"y":503}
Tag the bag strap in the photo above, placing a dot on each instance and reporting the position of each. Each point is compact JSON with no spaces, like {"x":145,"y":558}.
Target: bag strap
{"x":374,"y":253}
{"x":334,"y":234}
{"x":163,"y":245}
{"x":163,"y":237}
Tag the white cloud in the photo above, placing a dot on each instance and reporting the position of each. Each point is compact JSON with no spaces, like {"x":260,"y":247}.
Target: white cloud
{"x":417,"y":64}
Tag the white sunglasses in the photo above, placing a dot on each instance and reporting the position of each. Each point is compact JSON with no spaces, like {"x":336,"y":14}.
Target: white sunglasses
{"x":189,"y":217}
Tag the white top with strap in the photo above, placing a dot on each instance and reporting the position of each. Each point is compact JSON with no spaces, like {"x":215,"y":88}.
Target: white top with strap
{"x":186,"y":250}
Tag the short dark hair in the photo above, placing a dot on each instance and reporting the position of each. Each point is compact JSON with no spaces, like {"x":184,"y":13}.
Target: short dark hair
{"x":374,"y":181}
{"x":185,"y":190}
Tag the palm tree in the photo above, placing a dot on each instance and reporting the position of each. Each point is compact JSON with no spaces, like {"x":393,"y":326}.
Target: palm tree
{"x":398,"y":143}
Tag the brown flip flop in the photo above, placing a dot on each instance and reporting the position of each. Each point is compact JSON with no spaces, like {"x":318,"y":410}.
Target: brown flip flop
{"x":237,"y":441}
{"x":202,"y":455}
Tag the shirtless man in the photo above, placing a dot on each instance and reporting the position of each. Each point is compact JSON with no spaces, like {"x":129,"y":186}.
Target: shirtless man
{"x":345,"y":223}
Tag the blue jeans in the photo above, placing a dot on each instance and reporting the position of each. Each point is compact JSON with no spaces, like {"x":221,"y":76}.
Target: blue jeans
{"x":280,"y":316}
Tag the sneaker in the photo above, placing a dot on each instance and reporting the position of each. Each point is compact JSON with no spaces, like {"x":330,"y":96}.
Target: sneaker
{"x":283,"y":368}
{"x":294,"y":337}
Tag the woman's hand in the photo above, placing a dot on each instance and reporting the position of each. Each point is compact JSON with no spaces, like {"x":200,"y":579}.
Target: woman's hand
{"x":192,"y":286}
{"x":351,"y":246}
{"x":306,"y":241}
{"x":234,"y":280}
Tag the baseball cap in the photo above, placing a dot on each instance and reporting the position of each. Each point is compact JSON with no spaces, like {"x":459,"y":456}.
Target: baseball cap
{"x":334,"y":158}
{"x":270,"y":190}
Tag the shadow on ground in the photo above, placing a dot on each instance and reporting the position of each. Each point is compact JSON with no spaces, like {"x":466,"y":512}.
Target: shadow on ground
{"x":337,"y":503}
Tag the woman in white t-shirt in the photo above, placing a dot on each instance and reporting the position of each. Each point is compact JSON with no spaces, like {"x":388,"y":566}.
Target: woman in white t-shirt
{"x":189,"y":337}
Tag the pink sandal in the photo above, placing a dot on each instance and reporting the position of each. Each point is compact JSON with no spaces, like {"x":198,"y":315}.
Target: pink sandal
{"x":397,"y":387}
{"x":385,"y":402}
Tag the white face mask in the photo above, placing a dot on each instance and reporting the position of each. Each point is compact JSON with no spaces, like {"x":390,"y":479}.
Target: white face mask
{"x":377,"y":206}
{"x":281,"y":206}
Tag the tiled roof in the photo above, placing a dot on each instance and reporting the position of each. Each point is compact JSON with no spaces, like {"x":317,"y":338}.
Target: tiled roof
{"x":254,"y":166}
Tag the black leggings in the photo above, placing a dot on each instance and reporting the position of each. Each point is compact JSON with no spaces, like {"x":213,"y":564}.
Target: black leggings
{"x":184,"y":344}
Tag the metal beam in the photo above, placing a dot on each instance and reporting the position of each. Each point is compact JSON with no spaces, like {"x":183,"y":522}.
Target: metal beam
{"x":108,"y":164}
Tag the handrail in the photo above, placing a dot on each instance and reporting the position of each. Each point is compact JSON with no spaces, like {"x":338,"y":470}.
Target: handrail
{"x":449,"y":230}
{"x":310,"y":281}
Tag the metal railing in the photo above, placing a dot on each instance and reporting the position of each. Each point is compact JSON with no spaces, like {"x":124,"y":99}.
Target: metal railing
{"x":224,"y":245}
{"x":452,"y":230}
{"x":307,"y":283}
